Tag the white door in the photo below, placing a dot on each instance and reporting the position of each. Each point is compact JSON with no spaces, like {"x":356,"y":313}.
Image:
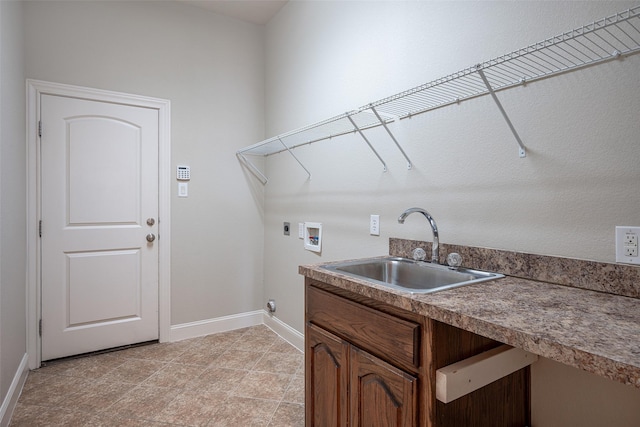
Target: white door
{"x":99,"y":204}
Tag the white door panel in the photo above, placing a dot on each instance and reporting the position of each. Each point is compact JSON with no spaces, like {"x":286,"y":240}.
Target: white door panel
{"x":104,"y":171}
{"x":99,"y":180}
{"x":103,"y":286}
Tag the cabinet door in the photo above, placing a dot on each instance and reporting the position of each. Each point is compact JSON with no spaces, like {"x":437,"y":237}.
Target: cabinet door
{"x":381,"y":395}
{"x":327,"y":362}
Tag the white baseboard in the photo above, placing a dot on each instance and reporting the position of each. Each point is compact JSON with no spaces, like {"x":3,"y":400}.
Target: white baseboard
{"x":213,"y":326}
{"x":236,"y":321}
{"x":11,"y":399}
{"x":285,"y":331}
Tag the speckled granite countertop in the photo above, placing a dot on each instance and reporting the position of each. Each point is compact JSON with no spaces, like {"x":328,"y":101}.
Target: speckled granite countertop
{"x":594,"y":331}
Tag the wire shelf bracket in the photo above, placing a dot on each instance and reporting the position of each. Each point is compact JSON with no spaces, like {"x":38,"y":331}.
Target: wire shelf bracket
{"x":522,"y":151}
{"x":252,"y":168}
{"x":261,"y":176}
{"x":355,"y":126}
{"x":384,"y":124}
{"x":604,"y":40}
{"x":294,"y":156}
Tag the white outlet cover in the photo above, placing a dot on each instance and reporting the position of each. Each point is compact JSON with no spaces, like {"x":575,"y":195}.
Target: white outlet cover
{"x":621,"y":234}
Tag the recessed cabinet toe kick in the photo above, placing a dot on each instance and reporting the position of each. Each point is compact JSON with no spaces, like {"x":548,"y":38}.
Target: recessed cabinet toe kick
{"x":372,"y":364}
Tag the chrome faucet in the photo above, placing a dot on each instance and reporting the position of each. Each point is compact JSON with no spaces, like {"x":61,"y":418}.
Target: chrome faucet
{"x":435,"y":253}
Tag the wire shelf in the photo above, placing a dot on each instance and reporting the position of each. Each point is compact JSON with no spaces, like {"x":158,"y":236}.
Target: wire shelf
{"x":603,"y":40}
{"x":327,"y":129}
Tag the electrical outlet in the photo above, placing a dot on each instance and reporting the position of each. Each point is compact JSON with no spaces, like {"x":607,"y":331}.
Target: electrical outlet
{"x":631,"y":244}
{"x":374,"y":225}
{"x":627,"y":245}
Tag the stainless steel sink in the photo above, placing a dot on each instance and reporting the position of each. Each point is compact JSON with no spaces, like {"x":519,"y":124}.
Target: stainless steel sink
{"x":410,"y":276}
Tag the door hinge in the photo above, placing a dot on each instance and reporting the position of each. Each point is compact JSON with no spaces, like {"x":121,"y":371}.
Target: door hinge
{"x":40,"y":228}
{"x":40,"y":327}
{"x":40,"y":129}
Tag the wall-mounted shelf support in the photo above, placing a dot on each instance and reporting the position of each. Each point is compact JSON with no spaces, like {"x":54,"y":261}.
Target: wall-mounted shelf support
{"x":522,"y":150}
{"x":258,"y":174}
{"x":468,"y":375}
{"x":384,"y":124}
{"x":252,"y":168}
{"x":294,"y":156}
{"x":384,"y":165}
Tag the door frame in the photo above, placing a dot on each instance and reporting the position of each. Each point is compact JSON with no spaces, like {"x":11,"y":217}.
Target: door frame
{"x":35,"y":88}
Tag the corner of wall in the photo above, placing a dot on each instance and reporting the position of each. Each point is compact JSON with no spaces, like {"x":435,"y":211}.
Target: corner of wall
{"x":11,"y":399}
{"x":285,"y":331}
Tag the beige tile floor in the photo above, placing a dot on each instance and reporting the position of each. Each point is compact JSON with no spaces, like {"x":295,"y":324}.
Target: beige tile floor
{"x":248,"y":377}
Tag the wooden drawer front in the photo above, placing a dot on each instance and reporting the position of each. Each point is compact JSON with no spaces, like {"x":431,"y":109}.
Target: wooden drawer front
{"x":386,"y":336}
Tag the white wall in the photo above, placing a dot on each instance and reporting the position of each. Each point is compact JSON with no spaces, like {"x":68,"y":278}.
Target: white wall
{"x":211,"y":69}
{"x":578,"y":181}
{"x":12,"y":197}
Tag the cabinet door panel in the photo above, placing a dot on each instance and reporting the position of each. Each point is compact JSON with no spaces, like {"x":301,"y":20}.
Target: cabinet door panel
{"x":381,"y":395}
{"x":327,"y":362}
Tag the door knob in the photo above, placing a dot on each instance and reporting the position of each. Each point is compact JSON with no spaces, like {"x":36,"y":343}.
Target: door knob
{"x":150,"y":221}
{"x":151,"y":237}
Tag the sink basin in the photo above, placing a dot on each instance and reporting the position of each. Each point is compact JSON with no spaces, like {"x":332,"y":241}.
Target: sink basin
{"x":410,"y":276}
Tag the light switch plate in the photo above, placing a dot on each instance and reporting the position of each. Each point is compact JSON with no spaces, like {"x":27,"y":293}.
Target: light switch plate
{"x":183,"y":189}
{"x":374,"y":225}
{"x":627,"y":245}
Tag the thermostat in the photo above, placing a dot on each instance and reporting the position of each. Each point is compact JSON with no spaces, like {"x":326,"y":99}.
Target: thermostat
{"x":183,"y":173}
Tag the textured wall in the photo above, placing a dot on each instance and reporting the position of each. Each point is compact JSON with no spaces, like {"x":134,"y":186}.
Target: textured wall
{"x":578,"y":181}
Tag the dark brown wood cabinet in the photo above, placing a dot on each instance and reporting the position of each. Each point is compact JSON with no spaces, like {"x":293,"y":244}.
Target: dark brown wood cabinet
{"x":348,"y":386}
{"x":327,"y":378}
{"x":380,"y":394}
{"x":371,"y":364}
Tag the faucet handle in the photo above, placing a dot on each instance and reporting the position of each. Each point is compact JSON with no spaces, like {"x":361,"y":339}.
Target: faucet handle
{"x":419,"y":254}
{"x":454,"y":260}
